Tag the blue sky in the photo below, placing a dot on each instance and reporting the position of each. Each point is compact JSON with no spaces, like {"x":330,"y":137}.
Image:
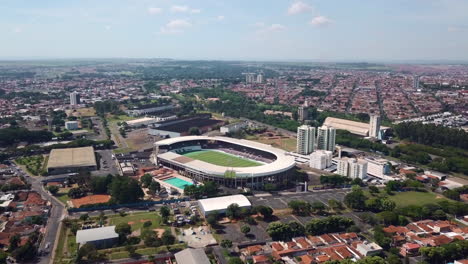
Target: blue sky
{"x":354,"y":30}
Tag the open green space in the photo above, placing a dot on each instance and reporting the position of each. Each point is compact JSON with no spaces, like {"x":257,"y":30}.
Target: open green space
{"x":415,"y":198}
{"x":63,"y":197}
{"x":221,"y":159}
{"x":137,"y":220}
{"x":33,"y":164}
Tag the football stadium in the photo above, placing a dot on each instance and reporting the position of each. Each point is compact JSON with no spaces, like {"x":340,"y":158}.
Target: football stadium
{"x":227,"y":161}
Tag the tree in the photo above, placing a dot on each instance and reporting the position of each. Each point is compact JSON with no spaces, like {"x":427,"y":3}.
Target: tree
{"x":355,"y":199}
{"x":3,"y":257}
{"x":75,"y":193}
{"x":245,"y":229}
{"x":279,"y":231}
{"x":14,"y":242}
{"x":123,"y":229}
{"x":131,"y":250}
{"x":373,"y":189}
{"x":25,"y":253}
{"x":167,"y":238}
{"x":84,"y":217}
{"x":225,"y":243}
{"x":194,"y":131}
{"x":126,"y":190}
{"x":300,"y":207}
{"x":212,"y":218}
{"x":146,"y":180}
{"x":53,"y":189}
{"x":235,"y":260}
{"x":393,"y":259}
{"x":233,"y":211}
{"x":317,"y":207}
{"x":296,"y":229}
{"x":101,"y":184}
{"x":265,"y":211}
{"x":329,"y":224}
{"x":334,"y":204}
{"x":154,"y":187}
{"x":165,"y":212}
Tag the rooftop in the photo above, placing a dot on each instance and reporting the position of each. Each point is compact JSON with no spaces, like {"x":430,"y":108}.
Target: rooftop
{"x":221,"y":203}
{"x":72,"y":157}
{"x":95,"y":234}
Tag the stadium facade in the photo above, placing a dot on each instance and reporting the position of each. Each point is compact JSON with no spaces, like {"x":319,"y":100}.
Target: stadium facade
{"x":275,"y":166}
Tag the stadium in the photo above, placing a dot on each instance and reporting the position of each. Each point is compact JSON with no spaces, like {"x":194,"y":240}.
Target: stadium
{"x":226,"y":161}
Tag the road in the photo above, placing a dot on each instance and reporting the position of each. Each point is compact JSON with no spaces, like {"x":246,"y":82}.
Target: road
{"x":57,"y":213}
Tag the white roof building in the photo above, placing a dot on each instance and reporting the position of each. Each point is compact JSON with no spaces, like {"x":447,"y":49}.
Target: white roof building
{"x":220,"y":204}
{"x":192,"y":256}
{"x":96,"y":235}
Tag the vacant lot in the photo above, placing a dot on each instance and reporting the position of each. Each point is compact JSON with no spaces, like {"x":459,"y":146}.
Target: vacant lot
{"x":136,"y":220}
{"x":288,"y":144}
{"x":414,"y":198}
{"x":221,"y":159}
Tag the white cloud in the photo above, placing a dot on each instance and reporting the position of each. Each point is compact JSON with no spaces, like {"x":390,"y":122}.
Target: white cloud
{"x":17,"y":30}
{"x":276,"y":27}
{"x":259,"y":24}
{"x":154,"y":10}
{"x":184,"y":9}
{"x":456,"y":29}
{"x":320,"y":21}
{"x":220,"y":18}
{"x":298,"y":8}
{"x":107,"y":27}
{"x":175,"y":26}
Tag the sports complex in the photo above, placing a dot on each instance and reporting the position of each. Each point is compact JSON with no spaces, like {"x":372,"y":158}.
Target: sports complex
{"x":226,"y":161}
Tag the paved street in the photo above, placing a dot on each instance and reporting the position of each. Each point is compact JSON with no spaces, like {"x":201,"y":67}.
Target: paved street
{"x":53,"y":222}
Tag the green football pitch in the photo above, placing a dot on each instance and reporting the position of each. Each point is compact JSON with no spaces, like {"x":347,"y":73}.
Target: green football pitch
{"x":221,"y":158}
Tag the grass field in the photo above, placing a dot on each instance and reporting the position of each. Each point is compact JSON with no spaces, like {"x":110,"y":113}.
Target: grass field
{"x":136,"y":220}
{"x":221,"y":159}
{"x":415,"y":198}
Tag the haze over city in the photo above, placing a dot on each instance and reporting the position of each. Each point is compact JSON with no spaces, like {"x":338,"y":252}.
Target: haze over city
{"x":401,"y":30}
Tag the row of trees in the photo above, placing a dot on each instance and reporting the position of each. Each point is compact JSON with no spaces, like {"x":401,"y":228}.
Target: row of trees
{"x":11,"y":136}
{"x":433,"y":135}
{"x":286,"y":231}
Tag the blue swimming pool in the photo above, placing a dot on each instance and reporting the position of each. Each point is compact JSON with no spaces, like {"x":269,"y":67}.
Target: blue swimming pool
{"x":179,"y":183}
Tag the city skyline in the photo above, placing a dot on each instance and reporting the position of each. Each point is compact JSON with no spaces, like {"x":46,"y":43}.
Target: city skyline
{"x":261,"y":30}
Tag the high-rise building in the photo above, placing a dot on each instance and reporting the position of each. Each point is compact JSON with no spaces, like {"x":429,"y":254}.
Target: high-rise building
{"x":326,"y":138}
{"x":353,"y":168}
{"x":416,"y":82}
{"x":305,"y":139}
{"x":74,"y":98}
{"x":321,"y":159}
{"x":374,"y":126}
{"x":303,"y":113}
{"x":250,"y":78}
{"x":260,"y":78}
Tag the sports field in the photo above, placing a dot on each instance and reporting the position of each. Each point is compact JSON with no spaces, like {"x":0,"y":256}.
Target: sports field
{"x":221,"y":158}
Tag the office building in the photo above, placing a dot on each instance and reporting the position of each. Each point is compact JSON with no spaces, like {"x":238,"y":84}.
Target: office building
{"x":303,"y":113}
{"x":326,"y":138}
{"x":353,"y":168}
{"x":378,"y":167}
{"x":305,"y":139}
{"x":74,"y":98}
{"x":374,"y":126}
{"x":321,"y":159}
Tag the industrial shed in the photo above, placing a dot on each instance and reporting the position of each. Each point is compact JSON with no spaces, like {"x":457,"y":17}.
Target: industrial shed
{"x":220,"y":204}
{"x":71,"y":160}
{"x":192,"y":256}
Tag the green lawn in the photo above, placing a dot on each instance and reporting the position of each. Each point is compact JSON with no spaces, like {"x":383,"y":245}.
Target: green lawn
{"x":137,"y":220}
{"x":63,"y":197}
{"x":221,"y":159}
{"x":414,"y":198}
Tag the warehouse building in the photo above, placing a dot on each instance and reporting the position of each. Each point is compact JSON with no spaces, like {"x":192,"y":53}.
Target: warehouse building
{"x":71,"y":160}
{"x":220,"y":204}
{"x":102,"y":237}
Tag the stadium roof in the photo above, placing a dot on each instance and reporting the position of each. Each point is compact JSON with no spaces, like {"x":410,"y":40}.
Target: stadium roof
{"x":221,"y":203}
{"x":281,"y":164}
{"x":72,"y":157}
{"x":358,"y":128}
{"x":95,"y":234}
{"x":192,"y":256}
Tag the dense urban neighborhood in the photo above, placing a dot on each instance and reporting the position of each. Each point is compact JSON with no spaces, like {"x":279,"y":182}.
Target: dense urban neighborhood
{"x":230,"y":162}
